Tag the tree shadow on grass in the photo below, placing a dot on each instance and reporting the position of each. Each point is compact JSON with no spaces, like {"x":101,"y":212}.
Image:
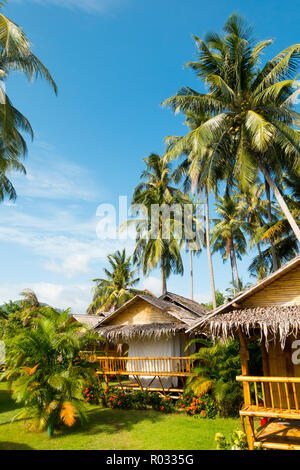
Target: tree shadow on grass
{"x":112,"y":421}
{"x":14,"y":446}
{"x":6,"y":402}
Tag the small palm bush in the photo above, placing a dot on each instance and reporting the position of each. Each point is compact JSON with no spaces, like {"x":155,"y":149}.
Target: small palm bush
{"x":217,"y":366}
{"x":45,"y":371}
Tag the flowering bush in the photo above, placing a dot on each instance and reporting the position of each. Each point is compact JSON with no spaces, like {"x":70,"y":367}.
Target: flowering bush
{"x":196,"y":405}
{"x":236,"y":441}
{"x":139,"y":400}
{"x":91,"y":394}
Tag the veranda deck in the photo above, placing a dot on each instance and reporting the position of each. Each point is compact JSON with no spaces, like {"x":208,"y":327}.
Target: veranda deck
{"x":278,"y":434}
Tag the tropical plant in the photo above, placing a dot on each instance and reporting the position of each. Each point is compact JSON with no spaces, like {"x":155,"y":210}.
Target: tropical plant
{"x":233,"y":288}
{"x":252,"y":109}
{"x":253,"y":210}
{"x":220,"y":300}
{"x":227,"y":234}
{"x":118,"y":285}
{"x":44,"y":369}
{"x":15,"y":55}
{"x":196,"y":173}
{"x":216,"y":370}
{"x":158,"y":234}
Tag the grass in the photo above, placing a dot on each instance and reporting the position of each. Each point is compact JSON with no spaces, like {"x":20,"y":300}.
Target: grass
{"x":114,"y":430}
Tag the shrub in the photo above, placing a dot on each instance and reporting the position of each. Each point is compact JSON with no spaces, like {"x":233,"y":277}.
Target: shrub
{"x":138,"y":400}
{"x":196,"y":405}
{"x":236,"y":441}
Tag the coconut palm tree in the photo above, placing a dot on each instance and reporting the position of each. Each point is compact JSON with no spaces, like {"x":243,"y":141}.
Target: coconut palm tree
{"x":193,"y":234}
{"x":228,"y":236}
{"x":118,"y":285}
{"x":253,"y":209}
{"x":197,"y":175}
{"x":252,"y":109}
{"x":44,"y":369}
{"x":15,"y":55}
{"x":158,"y":236}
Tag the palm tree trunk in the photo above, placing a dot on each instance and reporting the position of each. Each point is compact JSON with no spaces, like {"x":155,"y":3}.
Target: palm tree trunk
{"x":261,"y":259}
{"x":232,"y":273}
{"x":163,"y":276}
{"x":211,"y":270}
{"x":281,"y":202}
{"x":273,"y":250}
{"x":191,"y":275}
{"x":235,"y":268}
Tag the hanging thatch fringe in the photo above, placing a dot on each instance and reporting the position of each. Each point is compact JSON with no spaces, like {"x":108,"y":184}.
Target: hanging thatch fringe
{"x":118,"y":333}
{"x":276,"y":322}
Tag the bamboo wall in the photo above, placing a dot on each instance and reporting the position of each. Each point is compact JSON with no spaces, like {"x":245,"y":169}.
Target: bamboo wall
{"x":141,"y":313}
{"x":278,"y":363}
{"x":283,"y":291}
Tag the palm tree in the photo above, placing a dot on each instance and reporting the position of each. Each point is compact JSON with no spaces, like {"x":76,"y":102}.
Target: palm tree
{"x":252,"y":109}
{"x":193,"y":235}
{"x":227,"y":234}
{"x":253,"y":209}
{"x":117,"y":287}
{"x":217,"y":366}
{"x":197,"y":175}
{"x":44,"y":368}
{"x":158,"y":238}
{"x":15,"y":55}
{"x":284,"y":240}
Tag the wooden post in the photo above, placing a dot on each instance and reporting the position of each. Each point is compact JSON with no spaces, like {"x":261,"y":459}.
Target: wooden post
{"x":244,"y":354}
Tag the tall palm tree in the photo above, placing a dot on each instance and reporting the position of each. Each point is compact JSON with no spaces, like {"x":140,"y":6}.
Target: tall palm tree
{"x":252,"y":110}
{"x":253,"y":209}
{"x":158,"y":238}
{"x":15,"y":55}
{"x":193,"y":235}
{"x":227,"y":235}
{"x":118,"y":285}
{"x":197,"y":175}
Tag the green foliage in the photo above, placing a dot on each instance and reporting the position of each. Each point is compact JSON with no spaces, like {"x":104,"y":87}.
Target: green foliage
{"x":250,"y":123}
{"x":217,"y":366}
{"x":44,"y":369}
{"x":118,"y":286}
{"x":202,"y":406}
{"x":155,"y":247}
{"x":136,"y":400}
{"x":15,"y":55}
{"x":220,"y":300}
{"x":236,"y":441}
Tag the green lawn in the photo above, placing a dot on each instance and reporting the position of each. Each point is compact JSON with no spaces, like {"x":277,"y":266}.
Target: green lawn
{"x":115,"y":430}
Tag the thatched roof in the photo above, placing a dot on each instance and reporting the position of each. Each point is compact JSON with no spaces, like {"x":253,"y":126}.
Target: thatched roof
{"x":90,"y":321}
{"x":184,"y":315}
{"x":121,"y":333}
{"x":242,"y":296}
{"x":187,"y":304}
{"x":273,"y":323}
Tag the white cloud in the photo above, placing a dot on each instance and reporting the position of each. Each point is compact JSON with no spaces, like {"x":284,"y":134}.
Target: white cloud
{"x":153,"y":284}
{"x":203,"y":298}
{"x":77,"y":296}
{"x":100,"y":6}
{"x":50,"y":176}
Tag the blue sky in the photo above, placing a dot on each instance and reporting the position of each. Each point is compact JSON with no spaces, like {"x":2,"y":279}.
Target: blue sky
{"x":114,"y":62}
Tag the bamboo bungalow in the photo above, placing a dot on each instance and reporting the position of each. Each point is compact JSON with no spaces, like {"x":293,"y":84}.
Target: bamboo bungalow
{"x":269,"y":311}
{"x":152,"y":332}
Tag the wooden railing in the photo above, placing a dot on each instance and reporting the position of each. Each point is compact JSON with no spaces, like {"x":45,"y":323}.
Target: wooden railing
{"x":145,"y":366}
{"x":277,"y":397}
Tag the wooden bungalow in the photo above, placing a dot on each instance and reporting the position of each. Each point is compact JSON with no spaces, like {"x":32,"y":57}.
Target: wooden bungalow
{"x":270,"y":312}
{"x":152,"y":333}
